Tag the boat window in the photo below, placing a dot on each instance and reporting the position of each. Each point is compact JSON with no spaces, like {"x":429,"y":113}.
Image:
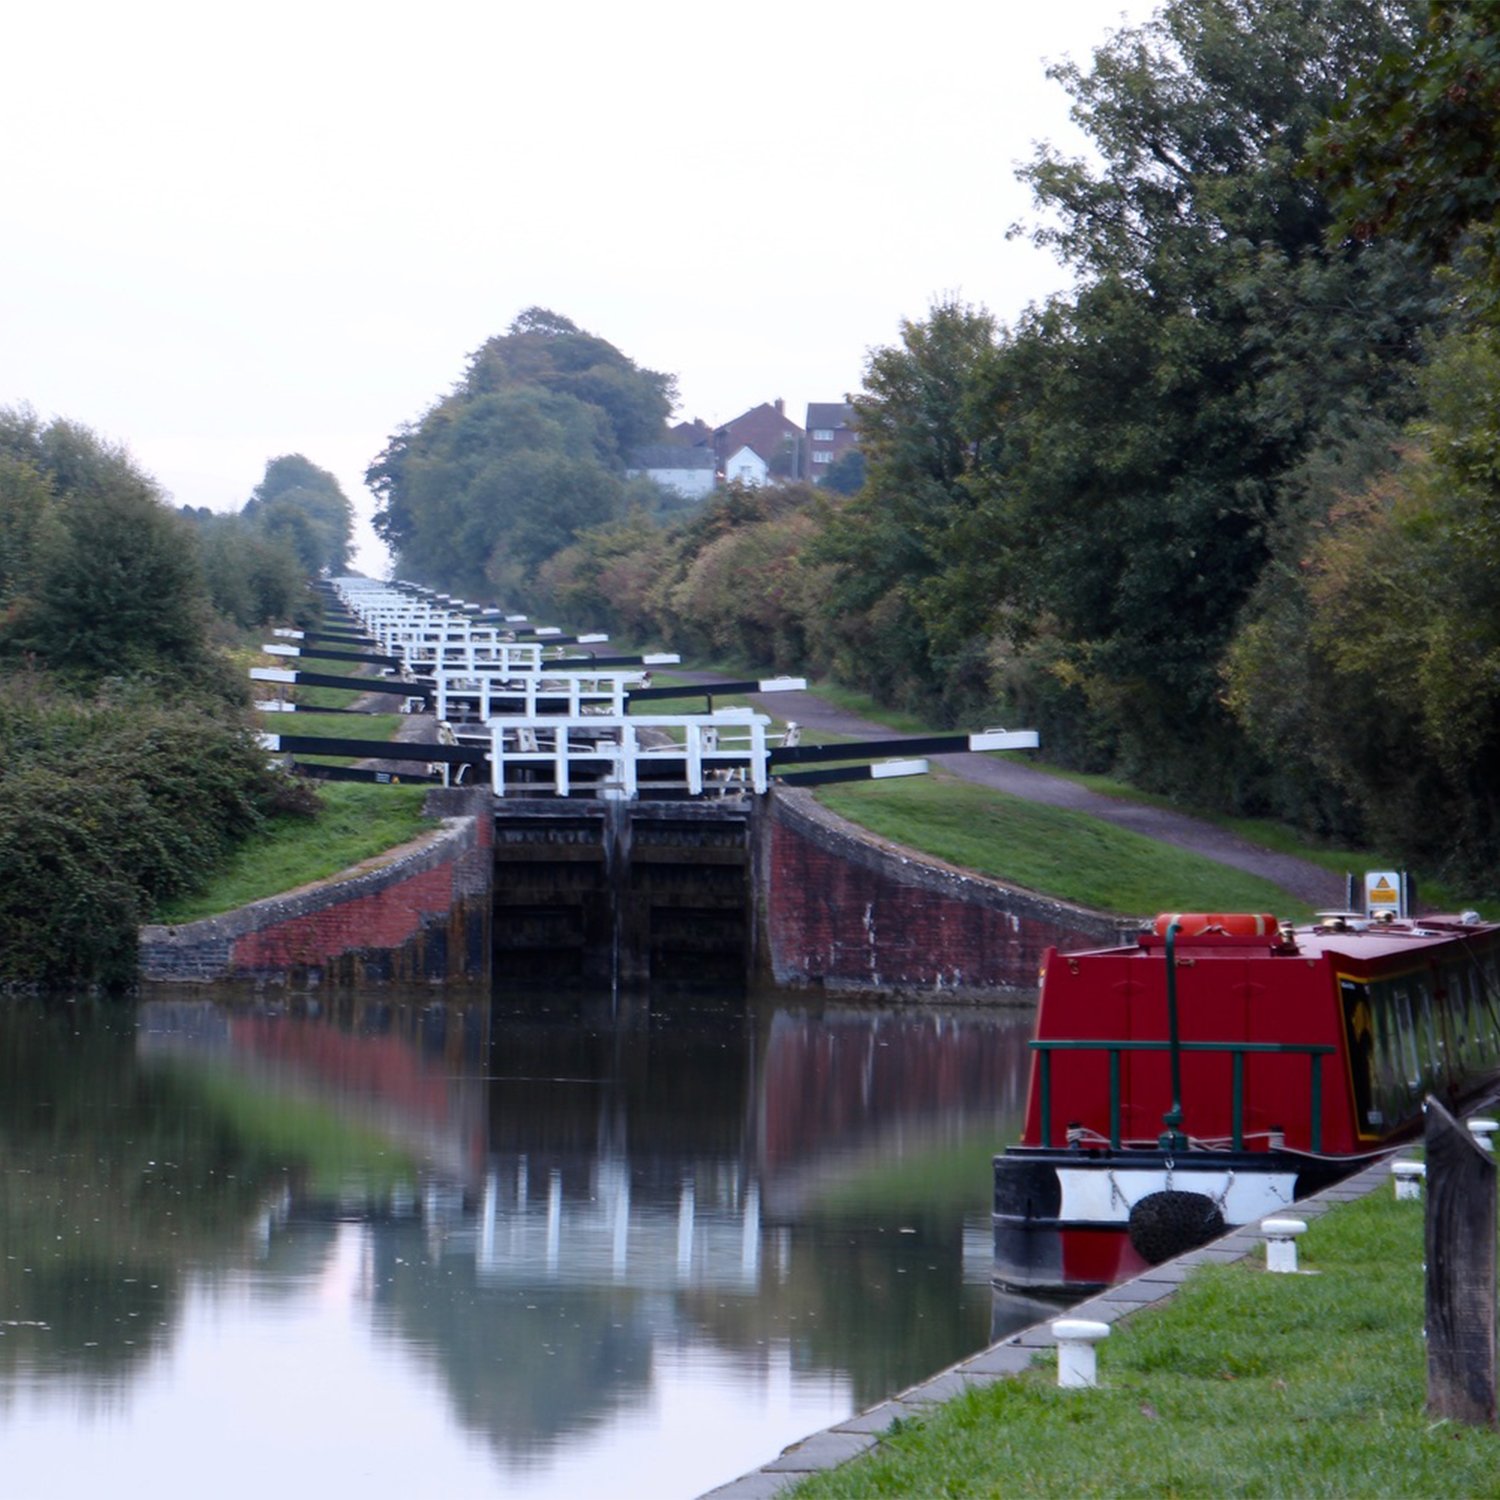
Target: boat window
{"x":1477,"y":1027}
{"x":1432,"y":1033}
{"x":1461,"y":1006}
{"x":1392,"y":1093}
{"x":1407,"y":1031}
{"x":1487,"y":1007}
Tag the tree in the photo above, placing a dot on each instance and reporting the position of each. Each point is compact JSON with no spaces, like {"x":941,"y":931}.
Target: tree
{"x":523,"y":455}
{"x":252,"y":578}
{"x":114,"y":583}
{"x":303,"y":505}
{"x":1159,"y":418}
{"x":926,"y":436}
{"x":1413,"y":149}
{"x":846,"y":474}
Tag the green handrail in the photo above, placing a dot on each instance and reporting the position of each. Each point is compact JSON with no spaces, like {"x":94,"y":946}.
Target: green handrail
{"x":1315,"y":1052}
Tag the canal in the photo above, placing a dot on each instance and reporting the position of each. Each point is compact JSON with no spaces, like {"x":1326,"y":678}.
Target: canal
{"x":545,"y":1248}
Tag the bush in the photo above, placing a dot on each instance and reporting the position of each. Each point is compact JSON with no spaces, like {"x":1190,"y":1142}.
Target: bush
{"x":109,"y":806}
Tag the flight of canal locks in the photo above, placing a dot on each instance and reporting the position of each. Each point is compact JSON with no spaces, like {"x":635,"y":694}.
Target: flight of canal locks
{"x":635,"y":1123}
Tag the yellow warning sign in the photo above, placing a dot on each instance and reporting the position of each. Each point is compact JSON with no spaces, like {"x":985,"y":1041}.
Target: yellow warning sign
{"x":1384,"y":892}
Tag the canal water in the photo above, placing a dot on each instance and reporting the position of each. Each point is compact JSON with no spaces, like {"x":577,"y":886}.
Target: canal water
{"x":549,"y":1248}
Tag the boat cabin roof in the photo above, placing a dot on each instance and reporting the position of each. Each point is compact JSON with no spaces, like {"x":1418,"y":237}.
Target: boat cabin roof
{"x":1347,"y":934}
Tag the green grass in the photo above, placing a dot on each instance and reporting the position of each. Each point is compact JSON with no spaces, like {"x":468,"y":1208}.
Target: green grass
{"x":854,"y":702}
{"x":944,"y":1177}
{"x":325,"y":697}
{"x":1065,"y":854}
{"x":356,"y":823}
{"x":334,"y":726}
{"x":1244,"y":1384}
{"x":336,"y":1154}
{"x":1280,"y":838}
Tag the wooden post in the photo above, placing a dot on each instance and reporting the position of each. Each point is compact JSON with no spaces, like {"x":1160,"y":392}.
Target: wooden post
{"x":1461,"y":1202}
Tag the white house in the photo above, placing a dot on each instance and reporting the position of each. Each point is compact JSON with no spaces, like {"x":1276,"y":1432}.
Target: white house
{"x":688,"y":471}
{"x":746,"y":466}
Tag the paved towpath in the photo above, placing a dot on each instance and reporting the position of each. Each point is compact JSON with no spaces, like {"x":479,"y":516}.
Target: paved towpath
{"x":1318,"y":887}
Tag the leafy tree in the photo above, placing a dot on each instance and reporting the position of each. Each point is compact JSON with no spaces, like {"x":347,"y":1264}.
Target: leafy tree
{"x":252,"y":578}
{"x":926,"y":434}
{"x":846,"y":474}
{"x":1413,"y":149}
{"x":1158,"y":418}
{"x":522,"y":456}
{"x":303,"y":505}
{"x":114,"y":580}
{"x":26,"y":513}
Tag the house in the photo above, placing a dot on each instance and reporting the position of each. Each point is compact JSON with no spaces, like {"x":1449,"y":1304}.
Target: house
{"x":690,"y":472}
{"x":746,"y":466}
{"x":830,"y":434}
{"x":778,"y":442}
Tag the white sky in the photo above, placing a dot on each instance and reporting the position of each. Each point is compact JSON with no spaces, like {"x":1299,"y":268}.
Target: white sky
{"x":228,"y":233}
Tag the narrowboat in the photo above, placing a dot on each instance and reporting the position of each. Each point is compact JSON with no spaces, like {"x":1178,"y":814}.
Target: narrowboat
{"x":1221,"y":1066}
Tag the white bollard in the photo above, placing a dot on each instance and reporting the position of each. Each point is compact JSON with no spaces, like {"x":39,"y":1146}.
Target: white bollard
{"x":1408,"y":1175}
{"x":1483,"y":1131}
{"x":1281,"y":1242}
{"x":1077,"y":1361}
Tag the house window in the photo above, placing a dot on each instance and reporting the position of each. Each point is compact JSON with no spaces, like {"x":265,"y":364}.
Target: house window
{"x":822,"y":434}
{"x":820,"y":457}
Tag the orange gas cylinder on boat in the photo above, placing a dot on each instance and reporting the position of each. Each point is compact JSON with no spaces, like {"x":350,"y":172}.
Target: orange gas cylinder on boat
{"x":1191,"y":924}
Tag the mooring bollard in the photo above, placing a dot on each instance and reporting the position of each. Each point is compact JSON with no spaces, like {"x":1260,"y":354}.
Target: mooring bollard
{"x":1483,"y":1131}
{"x":1281,"y":1242}
{"x":1408,"y":1175}
{"x":1077,"y":1360}
{"x":1407,"y":1178}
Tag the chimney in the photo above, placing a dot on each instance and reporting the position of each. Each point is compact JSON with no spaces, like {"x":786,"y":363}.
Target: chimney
{"x":780,"y":407}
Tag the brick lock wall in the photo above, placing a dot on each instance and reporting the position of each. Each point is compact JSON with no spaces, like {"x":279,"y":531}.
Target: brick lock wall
{"x":418,"y":914}
{"x":842,"y":910}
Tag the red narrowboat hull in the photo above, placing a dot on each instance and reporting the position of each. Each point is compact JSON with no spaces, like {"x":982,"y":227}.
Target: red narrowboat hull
{"x":1222,"y":1067}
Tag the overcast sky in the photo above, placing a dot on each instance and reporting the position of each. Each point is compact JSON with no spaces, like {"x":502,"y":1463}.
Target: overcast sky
{"x":229,"y":233}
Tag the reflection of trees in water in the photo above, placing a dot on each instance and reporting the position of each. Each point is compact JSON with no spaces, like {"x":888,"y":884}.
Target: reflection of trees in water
{"x":523,"y":1365}
{"x":876,"y":1297}
{"x":126,"y":1175}
{"x":114,"y":1185}
{"x":882,"y":1307}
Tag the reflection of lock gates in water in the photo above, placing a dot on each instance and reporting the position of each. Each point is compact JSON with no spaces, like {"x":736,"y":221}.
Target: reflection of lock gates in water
{"x":578,"y":1215}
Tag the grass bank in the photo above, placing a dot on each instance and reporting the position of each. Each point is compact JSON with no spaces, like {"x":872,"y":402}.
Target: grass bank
{"x":1244,"y":1384}
{"x":1065,"y":854}
{"x":357,"y":822}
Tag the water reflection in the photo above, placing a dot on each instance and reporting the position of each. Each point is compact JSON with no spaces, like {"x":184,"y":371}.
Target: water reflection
{"x":565,"y":1248}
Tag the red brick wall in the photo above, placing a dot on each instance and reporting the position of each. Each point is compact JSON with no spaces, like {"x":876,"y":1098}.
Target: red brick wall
{"x":384,"y":919}
{"x":420,"y":914}
{"x":843,"y":911}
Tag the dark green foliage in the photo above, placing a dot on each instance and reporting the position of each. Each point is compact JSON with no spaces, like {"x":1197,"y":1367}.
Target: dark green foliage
{"x":126,"y":772}
{"x":1157,"y":420}
{"x":928,"y":438}
{"x":524,"y":455}
{"x":252,"y":578}
{"x":108,"y":806}
{"x":26,"y":514}
{"x":737,"y":579}
{"x":303,"y":506}
{"x":111,"y":576}
{"x":1069,"y":517}
{"x":1413,"y":149}
{"x":846,"y":473}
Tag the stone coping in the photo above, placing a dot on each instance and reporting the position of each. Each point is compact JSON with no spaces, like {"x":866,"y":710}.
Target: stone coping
{"x":860,"y":1433}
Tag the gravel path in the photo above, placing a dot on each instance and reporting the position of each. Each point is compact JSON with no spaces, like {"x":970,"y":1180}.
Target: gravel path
{"x":1308,"y":882}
